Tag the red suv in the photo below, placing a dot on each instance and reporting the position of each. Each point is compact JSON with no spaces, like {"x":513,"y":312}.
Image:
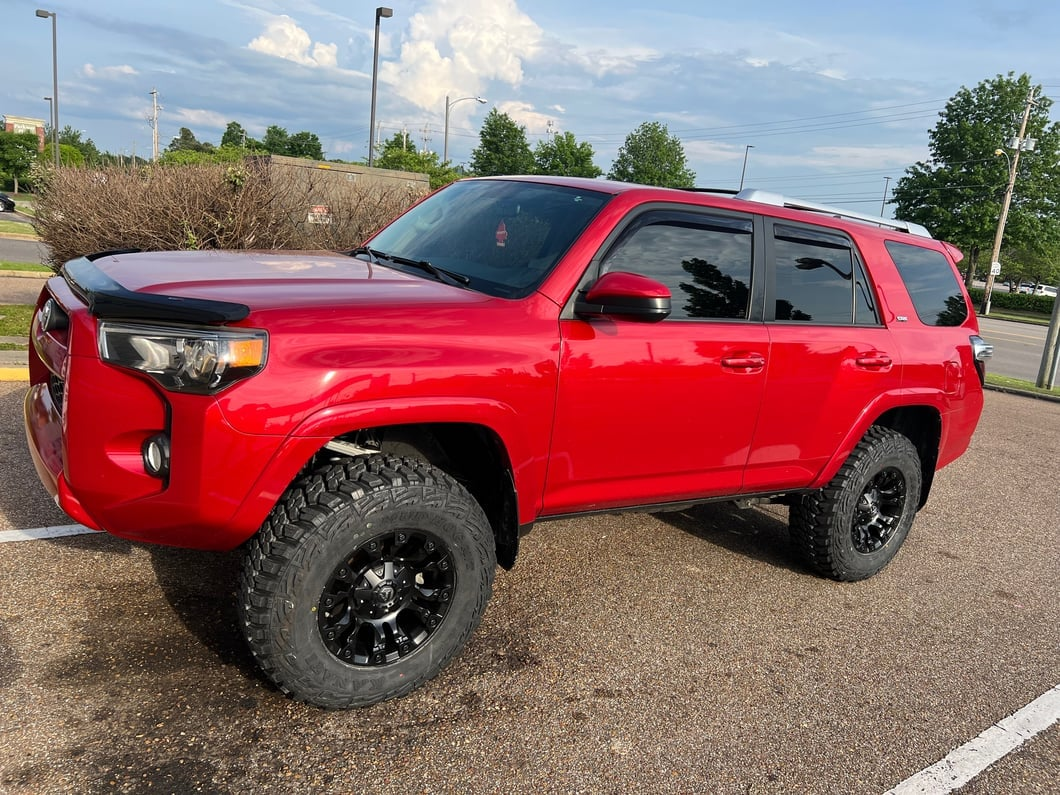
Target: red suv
{"x":379,"y":428}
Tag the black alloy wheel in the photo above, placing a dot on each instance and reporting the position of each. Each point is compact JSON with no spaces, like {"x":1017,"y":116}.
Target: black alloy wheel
{"x":387,"y":599}
{"x":879,"y":511}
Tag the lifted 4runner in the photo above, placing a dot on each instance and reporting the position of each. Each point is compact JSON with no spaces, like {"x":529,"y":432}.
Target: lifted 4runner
{"x":379,"y":428}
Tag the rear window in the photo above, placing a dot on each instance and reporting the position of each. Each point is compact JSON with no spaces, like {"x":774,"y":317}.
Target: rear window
{"x":931,"y":283}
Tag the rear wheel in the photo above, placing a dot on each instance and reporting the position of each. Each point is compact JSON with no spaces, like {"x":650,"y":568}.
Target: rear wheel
{"x":365,"y":581}
{"x":854,"y":526}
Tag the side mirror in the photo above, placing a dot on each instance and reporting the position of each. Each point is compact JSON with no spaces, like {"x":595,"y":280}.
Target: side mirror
{"x":629,"y":296}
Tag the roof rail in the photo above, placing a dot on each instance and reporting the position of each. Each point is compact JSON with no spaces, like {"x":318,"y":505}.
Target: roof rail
{"x":777,"y":200}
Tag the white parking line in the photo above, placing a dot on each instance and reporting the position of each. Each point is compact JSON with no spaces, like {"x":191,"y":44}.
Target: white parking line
{"x":965,"y":763}
{"x":43,"y":532}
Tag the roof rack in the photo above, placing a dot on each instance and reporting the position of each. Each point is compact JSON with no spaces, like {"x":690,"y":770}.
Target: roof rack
{"x":777,"y":200}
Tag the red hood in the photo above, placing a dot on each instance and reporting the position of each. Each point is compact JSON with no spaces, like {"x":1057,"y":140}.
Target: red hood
{"x":268,"y":280}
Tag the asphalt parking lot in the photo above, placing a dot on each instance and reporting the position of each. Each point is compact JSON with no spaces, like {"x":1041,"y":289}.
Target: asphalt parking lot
{"x":683,"y":652}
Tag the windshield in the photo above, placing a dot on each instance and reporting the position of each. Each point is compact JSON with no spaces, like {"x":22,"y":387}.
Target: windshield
{"x":504,"y":236}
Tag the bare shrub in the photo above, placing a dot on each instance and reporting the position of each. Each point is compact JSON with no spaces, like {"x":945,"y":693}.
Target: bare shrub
{"x":243,"y":206}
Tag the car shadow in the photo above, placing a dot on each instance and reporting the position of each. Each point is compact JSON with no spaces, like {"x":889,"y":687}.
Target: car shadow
{"x":23,"y":500}
{"x":201,"y":587}
{"x":752,"y":532}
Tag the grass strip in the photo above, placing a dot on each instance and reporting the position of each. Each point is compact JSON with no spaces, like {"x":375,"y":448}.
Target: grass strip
{"x":1005,"y":382}
{"x":14,"y":320}
{"x":24,"y":266}
{"x":17,"y":228}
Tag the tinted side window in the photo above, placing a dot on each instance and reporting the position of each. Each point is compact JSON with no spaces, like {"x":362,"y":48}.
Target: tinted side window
{"x":705,"y":260}
{"x":819,"y":279}
{"x":931,"y":283}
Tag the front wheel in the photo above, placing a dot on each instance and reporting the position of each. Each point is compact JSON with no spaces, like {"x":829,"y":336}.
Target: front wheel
{"x":854,"y":526}
{"x":368,"y":577}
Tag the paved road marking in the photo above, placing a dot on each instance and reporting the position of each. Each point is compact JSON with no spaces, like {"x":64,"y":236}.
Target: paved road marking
{"x":43,"y":532}
{"x":965,"y":763}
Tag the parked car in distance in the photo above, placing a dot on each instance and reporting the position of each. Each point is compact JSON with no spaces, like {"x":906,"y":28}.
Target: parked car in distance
{"x":1045,"y":289}
{"x":7,"y":204}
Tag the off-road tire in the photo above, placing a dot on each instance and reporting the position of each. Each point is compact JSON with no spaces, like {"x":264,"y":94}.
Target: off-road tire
{"x":854,"y":526}
{"x":388,"y":557}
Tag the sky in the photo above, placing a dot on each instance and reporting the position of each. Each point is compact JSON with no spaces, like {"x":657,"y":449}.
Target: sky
{"x":824,"y":101}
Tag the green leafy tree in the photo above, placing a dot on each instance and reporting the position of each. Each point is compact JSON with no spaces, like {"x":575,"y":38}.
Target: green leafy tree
{"x":396,"y":153}
{"x":563,"y":156}
{"x":68,"y":136}
{"x":502,"y":147}
{"x":651,"y":156}
{"x":275,"y":140}
{"x":235,"y":136}
{"x":958,"y":193}
{"x":18,"y":151}
{"x":186,"y":141}
{"x":185,"y":157}
{"x":305,"y":144}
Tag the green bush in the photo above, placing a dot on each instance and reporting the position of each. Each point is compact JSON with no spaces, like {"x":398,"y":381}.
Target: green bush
{"x":1018,"y":302}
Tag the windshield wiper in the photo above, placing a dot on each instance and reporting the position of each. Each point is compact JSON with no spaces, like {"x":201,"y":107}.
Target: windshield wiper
{"x":441,"y":274}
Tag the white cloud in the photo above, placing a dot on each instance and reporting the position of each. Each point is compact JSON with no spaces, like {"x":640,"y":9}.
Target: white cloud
{"x":195,"y":118}
{"x":108,"y":72}
{"x":456,"y":47}
{"x":283,"y":38}
{"x":523,"y":114}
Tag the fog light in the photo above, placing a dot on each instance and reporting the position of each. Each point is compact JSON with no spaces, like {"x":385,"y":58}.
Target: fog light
{"x":155,"y":453}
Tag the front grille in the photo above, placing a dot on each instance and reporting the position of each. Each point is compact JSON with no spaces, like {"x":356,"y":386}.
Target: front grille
{"x":56,"y":388}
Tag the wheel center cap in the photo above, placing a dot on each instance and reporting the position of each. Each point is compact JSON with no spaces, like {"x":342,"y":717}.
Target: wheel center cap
{"x":384,"y":593}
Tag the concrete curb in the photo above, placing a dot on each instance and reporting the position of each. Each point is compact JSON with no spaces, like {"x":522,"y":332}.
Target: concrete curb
{"x":1036,"y":395}
{"x":27,"y":274}
{"x":14,"y":374}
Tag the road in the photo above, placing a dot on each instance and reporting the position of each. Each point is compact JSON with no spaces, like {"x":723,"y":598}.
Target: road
{"x":22,"y":250}
{"x":1017,"y":347}
{"x":670,"y":653}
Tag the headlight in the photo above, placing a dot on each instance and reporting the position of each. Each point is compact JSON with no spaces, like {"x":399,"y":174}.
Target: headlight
{"x":199,"y":360}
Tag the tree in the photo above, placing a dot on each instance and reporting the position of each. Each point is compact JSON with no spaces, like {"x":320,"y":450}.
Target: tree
{"x":564,"y":156}
{"x":651,"y":156}
{"x":68,"y":136}
{"x":186,"y":141}
{"x":17,"y":153}
{"x":396,"y":153}
{"x":275,"y":140}
{"x":305,"y":144}
{"x":302,"y":144}
{"x":235,"y":136}
{"x":957,"y":194}
{"x":502,"y":147}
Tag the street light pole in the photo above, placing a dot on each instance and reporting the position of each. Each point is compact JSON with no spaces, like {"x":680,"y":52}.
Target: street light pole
{"x":55,"y":83}
{"x":380,"y":13}
{"x":1019,"y":142}
{"x":743,"y":171}
{"x":51,"y":116}
{"x":445,"y":135}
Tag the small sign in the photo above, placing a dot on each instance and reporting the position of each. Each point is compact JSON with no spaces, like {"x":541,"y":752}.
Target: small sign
{"x":319,"y":214}
{"x":995,"y":268}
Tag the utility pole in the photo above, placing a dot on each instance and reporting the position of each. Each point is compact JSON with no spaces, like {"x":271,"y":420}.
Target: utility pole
{"x":886,"y":185}
{"x":154,"y":125}
{"x":1018,"y":144}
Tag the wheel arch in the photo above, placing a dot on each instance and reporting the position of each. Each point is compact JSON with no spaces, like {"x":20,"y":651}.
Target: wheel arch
{"x":920,"y":423}
{"x":491,"y":459}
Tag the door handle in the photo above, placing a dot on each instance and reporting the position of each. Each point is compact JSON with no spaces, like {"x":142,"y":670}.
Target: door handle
{"x":873,"y":360}
{"x":744,"y":362}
